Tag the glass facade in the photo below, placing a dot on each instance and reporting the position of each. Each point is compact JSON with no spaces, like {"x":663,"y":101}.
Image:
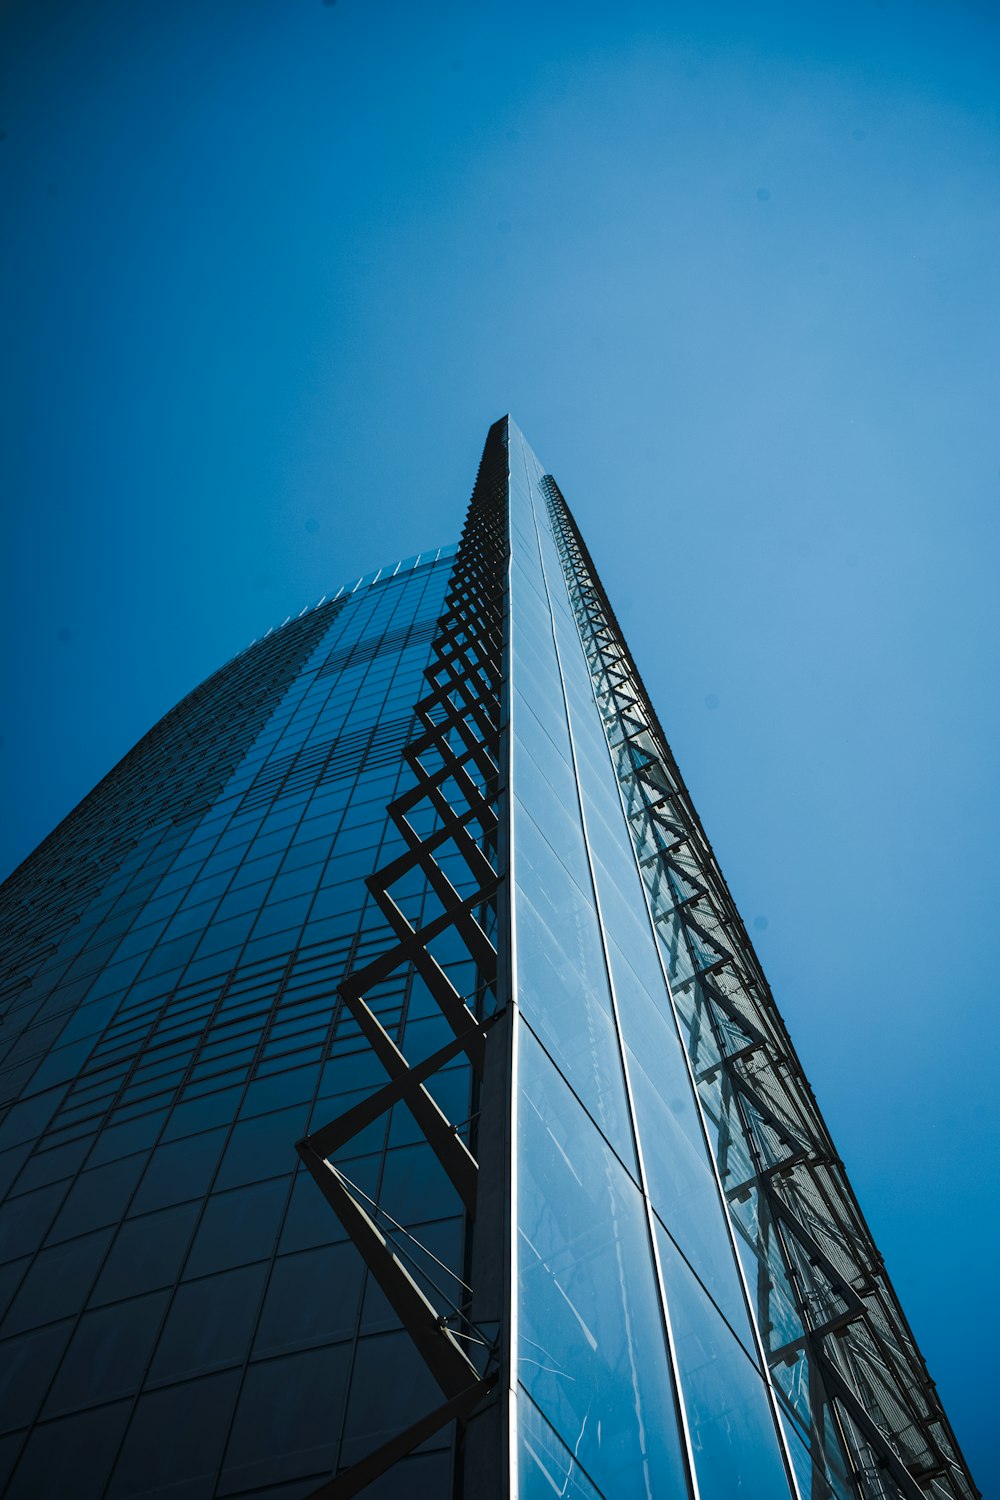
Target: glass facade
{"x":414,"y":883}
{"x":172,"y":1027}
{"x":633,"y":1317}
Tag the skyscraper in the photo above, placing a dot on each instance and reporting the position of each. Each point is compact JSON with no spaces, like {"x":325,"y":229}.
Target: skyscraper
{"x":395,"y":1104}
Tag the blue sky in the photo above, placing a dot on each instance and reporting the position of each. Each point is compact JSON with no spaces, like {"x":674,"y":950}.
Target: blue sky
{"x":271,"y":269}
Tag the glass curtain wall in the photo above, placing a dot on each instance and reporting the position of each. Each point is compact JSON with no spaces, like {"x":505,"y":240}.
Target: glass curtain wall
{"x":181,"y":1315}
{"x":639,"y":1366}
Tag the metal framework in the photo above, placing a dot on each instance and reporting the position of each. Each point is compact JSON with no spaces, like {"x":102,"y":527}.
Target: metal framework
{"x":850,"y":1380}
{"x":455,"y":760}
{"x":841,"y":1352}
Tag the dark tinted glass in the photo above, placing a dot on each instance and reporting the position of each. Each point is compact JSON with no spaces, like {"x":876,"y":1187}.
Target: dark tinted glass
{"x":190,"y":1009}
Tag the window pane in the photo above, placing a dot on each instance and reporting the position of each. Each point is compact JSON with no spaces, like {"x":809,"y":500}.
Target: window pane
{"x":27,"y":1364}
{"x":391,"y":1387}
{"x":288,"y":1419}
{"x":590,"y":1327}
{"x":71,"y":1456}
{"x":562,"y":981}
{"x":150,"y":1460}
{"x":210,"y":1324}
{"x":312,"y":1298}
{"x":238,"y":1227}
{"x":178,"y":1171}
{"x":57,"y":1283}
{"x":545,"y":1466}
{"x":733,"y":1435}
{"x":108,"y":1354}
{"x":263,"y":1147}
{"x":146,"y":1254}
{"x":97,"y":1197}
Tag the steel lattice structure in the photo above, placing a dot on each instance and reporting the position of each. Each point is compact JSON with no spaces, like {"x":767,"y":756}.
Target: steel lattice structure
{"x":455,"y":759}
{"x":837,"y":1339}
{"x":855,"y":1414}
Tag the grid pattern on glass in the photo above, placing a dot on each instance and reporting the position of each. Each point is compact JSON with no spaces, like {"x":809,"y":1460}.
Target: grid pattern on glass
{"x":50,"y":903}
{"x":856,"y":1391}
{"x":155,"y":1236}
{"x":454,"y":756}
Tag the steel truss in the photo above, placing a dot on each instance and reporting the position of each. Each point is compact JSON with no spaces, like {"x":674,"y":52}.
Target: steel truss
{"x":843,"y":1358}
{"x":455,"y":760}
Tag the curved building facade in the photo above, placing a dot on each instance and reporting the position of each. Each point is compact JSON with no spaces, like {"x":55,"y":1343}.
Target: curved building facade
{"x":391,"y":1102}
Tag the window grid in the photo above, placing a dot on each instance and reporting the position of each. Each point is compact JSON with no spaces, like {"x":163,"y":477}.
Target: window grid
{"x":252,"y":1032}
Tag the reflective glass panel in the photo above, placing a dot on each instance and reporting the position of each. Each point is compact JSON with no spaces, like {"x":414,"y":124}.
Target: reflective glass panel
{"x":591,"y":1348}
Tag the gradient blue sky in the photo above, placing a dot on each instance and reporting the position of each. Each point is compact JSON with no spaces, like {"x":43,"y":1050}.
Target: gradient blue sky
{"x":271,"y":267}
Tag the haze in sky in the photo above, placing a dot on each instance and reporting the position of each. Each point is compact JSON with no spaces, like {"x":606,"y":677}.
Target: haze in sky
{"x":270,"y":269}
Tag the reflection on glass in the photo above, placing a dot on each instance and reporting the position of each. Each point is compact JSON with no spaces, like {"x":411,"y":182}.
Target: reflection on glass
{"x":685,"y":1194}
{"x":733,"y":1436}
{"x":545,"y":1467}
{"x":562,"y":981}
{"x":591,"y":1346}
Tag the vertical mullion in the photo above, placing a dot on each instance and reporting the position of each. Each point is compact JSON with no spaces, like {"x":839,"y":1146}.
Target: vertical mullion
{"x":710,"y":1154}
{"x":668,"y":1334}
